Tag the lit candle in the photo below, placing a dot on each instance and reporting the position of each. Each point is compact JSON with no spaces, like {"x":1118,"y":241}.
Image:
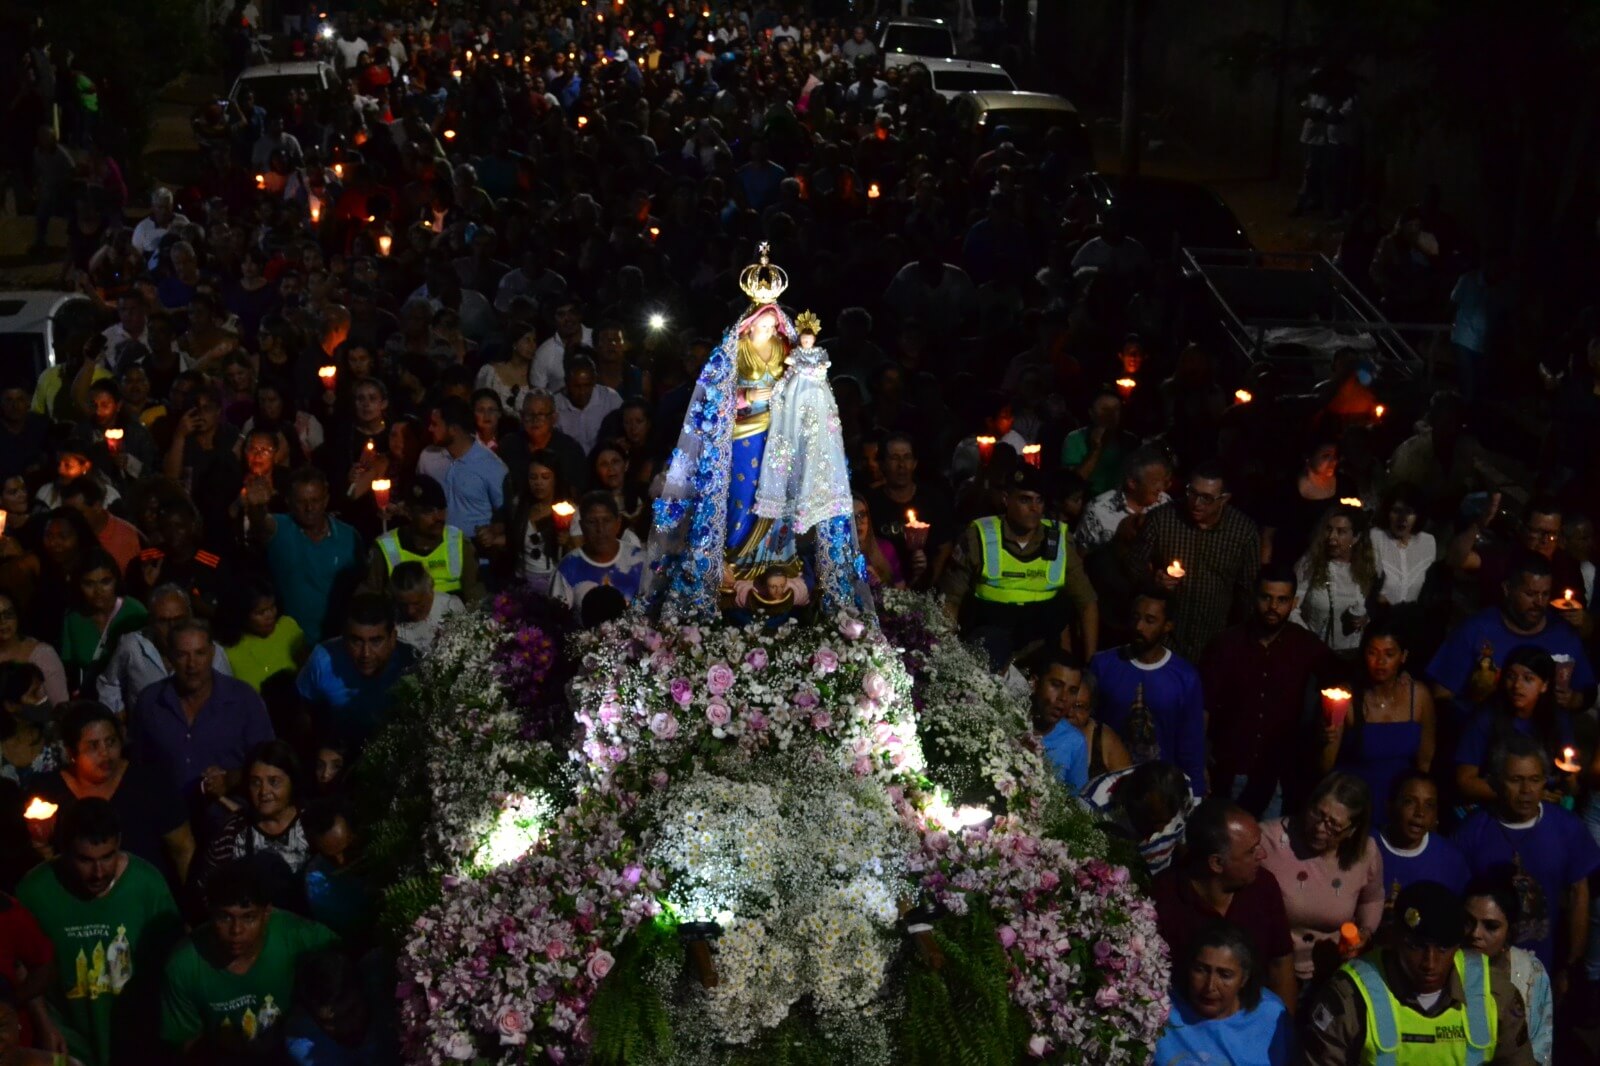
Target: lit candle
{"x":338,"y":170}
{"x":261,"y":181}
{"x":583,"y":120}
{"x":1242,"y":396}
{"x":40,"y":810}
{"x":985,"y":449}
{"x":1031,"y":454}
{"x":1568,"y":763}
{"x":368,"y":451}
{"x":385,"y":242}
{"x":2,"y":523}
{"x":1350,"y":501}
{"x":1335,"y":705}
{"x":1125,"y":387}
{"x":1567,"y":602}
{"x":316,"y":211}
{"x":328,"y":374}
{"x":449,"y":135}
{"x":1175,"y":569}
{"x":655,"y":231}
{"x":916,"y":532}
{"x":1377,"y":413}
{"x":562,"y":514}
{"x":380,"y":492}
{"x":113,"y":440}
{"x":873,"y":192}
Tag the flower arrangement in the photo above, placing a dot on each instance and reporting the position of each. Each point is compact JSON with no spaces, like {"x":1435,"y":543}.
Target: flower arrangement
{"x":790,"y":793}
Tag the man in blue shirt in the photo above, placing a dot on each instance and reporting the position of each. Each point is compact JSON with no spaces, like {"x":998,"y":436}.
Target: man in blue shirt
{"x":347,"y":680}
{"x":1054,"y":688}
{"x":1523,"y":618}
{"x":315,"y":559}
{"x":1150,"y":696}
{"x":1547,"y":850}
{"x":473,"y":477}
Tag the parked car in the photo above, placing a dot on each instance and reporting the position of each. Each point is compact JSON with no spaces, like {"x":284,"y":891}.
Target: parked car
{"x":31,"y":324}
{"x":952,"y":77}
{"x":1027,"y":117}
{"x":911,"y":40}
{"x":1165,"y":215}
{"x":272,"y":82}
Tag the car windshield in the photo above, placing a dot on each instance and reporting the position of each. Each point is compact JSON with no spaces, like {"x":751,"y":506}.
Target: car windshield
{"x":919,"y":41}
{"x":969,"y":81}
{"x":1028,"y":125}
{"x":272,"y":92}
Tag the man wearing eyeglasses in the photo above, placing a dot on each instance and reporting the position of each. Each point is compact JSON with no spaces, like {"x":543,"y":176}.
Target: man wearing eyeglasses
{"x":1217,"y":551}
{"x":1539,"y":531}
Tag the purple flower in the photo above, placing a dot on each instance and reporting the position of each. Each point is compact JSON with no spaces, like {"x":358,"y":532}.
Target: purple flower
{"x":1008,"y":937}
{"x":825,"y":661}
{"x":877,"y":687}
{"x":719,"y":678}
{"x":663,"y":725}
{"x":852,"y":627}
{"x":756,"y":659}
{"x":805,"y":698}
{"x":821,"y":720}
{"x":1107,"y":998}
{"x":600,"y":964}
{"x":717,"y":713}
{"x":682,"y":692}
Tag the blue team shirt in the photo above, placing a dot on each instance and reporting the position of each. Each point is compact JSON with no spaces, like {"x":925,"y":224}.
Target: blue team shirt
{"x":353,"y":705}
{"x":308,"y":572}
{"x":1486,"y":633}
{"x":1069,"y":754}
{"x":1172,"y":692}
{"x":1556,"y":851}
{"x":1477,"y":738}
{"x":1440,"y":861}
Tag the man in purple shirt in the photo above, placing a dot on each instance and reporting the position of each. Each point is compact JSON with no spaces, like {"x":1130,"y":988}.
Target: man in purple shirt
{"x":197,"y":723}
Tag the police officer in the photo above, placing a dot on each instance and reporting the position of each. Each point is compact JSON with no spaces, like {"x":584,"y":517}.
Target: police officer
{"x":443,"y":550}
{"x":1014,"y":578}
{"x":1425,"y":1001}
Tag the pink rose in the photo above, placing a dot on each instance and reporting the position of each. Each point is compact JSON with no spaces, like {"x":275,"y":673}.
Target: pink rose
{"x":513,"y":1026}
{"x":756,"y":659}
{"x":690,"y":634}
{"x":862,"y":767}
{"x":682,"y":692}
{"x":717,"y":713}
{"x":877,"y":687}
{"x":805,"y":698}
{"x":821,"y":720}
{"x":663,"y":725}
{"x":658,"y":780}
{"x":600,"y":964}
{"x":756,"y":721}
{"x":1008,"y":937}
{"x":555,"y":950}
{"x":852,"y":627}
{"x":719,"y":678}
{"x":1107,"y":998}
{"x":1038,"y":1046}
{"x":825,"y":661}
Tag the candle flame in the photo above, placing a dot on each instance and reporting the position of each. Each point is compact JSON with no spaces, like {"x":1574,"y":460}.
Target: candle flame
{"x":1335,"y":694}
{"x":113,"y":434}
{"x":1350,"y":501}
{"x":381,"y":485}
{"x":1567,"y":595}
{"x":911,"y":516}
{"x":564,"y":509}
{"x":3,"y":516}
{"x":40,"y":809}
{"x":985,"y":440}
{"x":327,"y":374}
{"x":338,"y":170}
{"x":1243,"y":396}
{"x":583,"y":120}
{"x":1126,"y":383}
{"x":449,"y":135}
{"x":261,"y":181}
{"x":385,"y":242}
{"x":873,"y":192}
{"x":1377,"y":412}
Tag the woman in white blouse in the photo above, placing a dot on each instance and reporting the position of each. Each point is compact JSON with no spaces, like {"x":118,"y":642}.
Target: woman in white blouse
{"x":1402,"y":552}
{"x":1336,"y":576}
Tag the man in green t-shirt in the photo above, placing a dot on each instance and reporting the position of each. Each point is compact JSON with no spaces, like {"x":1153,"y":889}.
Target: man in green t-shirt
{"x":230,"y":983}
{"x":112,"y":920}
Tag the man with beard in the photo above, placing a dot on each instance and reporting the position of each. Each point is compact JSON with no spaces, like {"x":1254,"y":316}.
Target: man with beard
{"x":1258,"y":678}
{"x":1425,"y":995}
{"x":1151,"y":696}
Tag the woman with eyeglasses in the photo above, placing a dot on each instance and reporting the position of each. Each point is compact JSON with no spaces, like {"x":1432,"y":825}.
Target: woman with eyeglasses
{"x":1330,"y":872}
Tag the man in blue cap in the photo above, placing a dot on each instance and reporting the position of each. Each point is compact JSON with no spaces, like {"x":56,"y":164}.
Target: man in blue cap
{"x":1425,"y":1001}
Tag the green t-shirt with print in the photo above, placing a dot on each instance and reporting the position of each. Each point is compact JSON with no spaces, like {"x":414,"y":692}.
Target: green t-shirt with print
{"x":202,"y":998}
{"x":109,"y":953}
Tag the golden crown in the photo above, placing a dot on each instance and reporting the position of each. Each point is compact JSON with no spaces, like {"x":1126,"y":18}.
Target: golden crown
{"x":808,"y":322}
{"x":763,"y":282}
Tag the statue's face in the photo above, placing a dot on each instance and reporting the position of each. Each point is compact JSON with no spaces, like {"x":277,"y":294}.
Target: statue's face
{"x":762,"y":329}
{"x":807,"y":340}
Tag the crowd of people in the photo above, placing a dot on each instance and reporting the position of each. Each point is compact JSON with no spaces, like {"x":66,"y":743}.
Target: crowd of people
{"x":436,"y":334}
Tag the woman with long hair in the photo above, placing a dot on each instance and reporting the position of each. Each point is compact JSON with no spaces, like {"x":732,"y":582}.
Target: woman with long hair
{"x":1494,"y":909}
{"x":528,"y":545}
{"x":1391,"y":727}
{"x":1402,"y":551}
{"x":1288,"y":526}
{"x":17,"y":647}
{"x":1524,"y":702}
{"x":261,"y":641}
{"x":883,"y":565}
{"x":608,"y":470}
{"x":276,"y":410}
{"x":635,"y":442}
{"x":100,"y":616}
{"x":27,"y":740}
{"x":1337,"y":577}
{"x":1220,"y":1010}
{"x":1329,"y":870}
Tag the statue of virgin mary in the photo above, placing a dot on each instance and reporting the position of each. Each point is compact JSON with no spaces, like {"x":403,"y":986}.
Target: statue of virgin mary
{"x":712,"y":535}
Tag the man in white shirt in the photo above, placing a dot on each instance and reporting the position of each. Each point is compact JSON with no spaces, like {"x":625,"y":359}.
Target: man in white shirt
{"x":420,"y":609}
{"x":350,"y":44}
{"x":141,"y":658}
{"x":785,"y":28}
{"x":272,"y":139}
{"x":132,"y":326}
{"x":154,"y":226}
{"x":584,"y":403}
{"x":550,"y":361}
{"x":1145,"y":477}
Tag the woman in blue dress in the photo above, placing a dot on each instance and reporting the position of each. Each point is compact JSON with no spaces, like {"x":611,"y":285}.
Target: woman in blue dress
{"x":1220,"y":1011}
{"x":1391,"y":725}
